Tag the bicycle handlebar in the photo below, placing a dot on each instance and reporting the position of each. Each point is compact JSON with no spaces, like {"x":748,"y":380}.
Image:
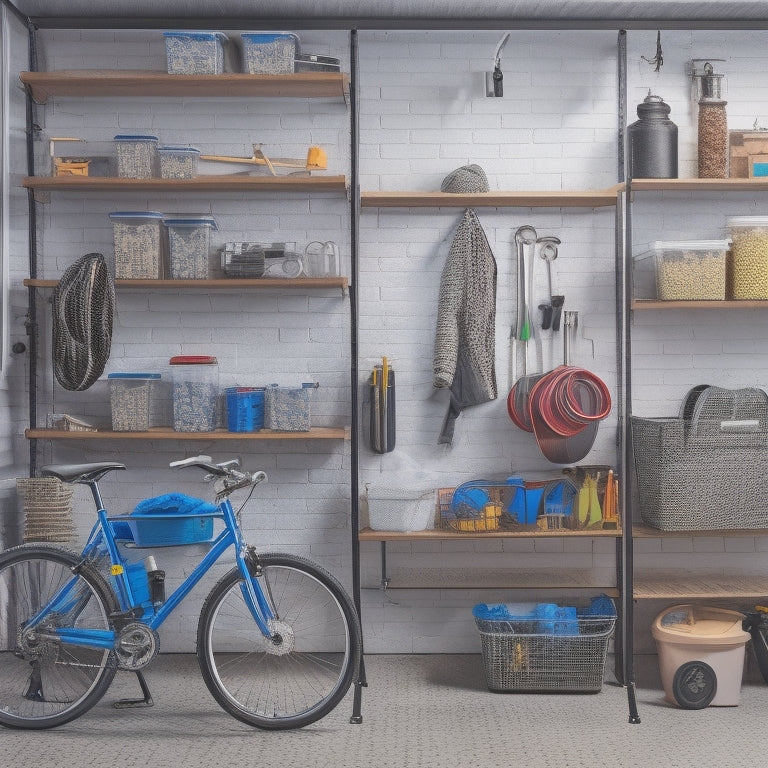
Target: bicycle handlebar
{"x":227,"y":478}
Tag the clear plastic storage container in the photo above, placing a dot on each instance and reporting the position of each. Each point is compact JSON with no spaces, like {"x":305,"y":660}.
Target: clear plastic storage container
{"x":690,"y":269}
{"x":178,"y":162}
{"x":132,"y":398}
{"x":138,"y":244}
{"x":189,"y":241}
{"x":749,"y":253}
{"x":288,"y":409}
{"x":195,"y":393}
{"x":269,"y":53}
{"x":136,"y":156}
{"x":195,"y":53}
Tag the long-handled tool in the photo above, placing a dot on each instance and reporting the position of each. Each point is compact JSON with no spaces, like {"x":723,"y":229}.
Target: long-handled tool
{"x":524,"y":238}
{"x":317,"y":160}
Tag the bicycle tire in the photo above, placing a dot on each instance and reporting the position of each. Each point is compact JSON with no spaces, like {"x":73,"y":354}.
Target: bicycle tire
{"x":301,"y":678}
{"x":44,"y":684}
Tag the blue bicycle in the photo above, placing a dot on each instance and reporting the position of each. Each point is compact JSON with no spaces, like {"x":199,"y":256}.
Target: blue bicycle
{"x":278,"y":639}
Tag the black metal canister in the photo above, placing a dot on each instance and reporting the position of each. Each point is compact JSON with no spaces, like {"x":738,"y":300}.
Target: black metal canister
{"x":652,"y":141}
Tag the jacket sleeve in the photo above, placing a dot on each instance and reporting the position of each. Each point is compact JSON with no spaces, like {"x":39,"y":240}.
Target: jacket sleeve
{"x":449,"y":306}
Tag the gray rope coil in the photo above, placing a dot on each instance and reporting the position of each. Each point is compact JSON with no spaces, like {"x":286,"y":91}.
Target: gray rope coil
{"x":83,"y":307}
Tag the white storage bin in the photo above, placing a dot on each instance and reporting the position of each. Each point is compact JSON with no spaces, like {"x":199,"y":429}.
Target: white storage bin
{"x":189,"y":241}
{"x":138,"y":244}
{"x":750,"y":256}
{"x":195,"y":53}
{"x":393,"y":508}
{"x":136,"y":156}
{"x":269,"y":53}
{"x":178,"y":162}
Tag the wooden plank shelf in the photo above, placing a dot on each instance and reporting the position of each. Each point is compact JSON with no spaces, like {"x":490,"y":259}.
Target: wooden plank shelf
{"x":646,"y":532}
{"x":699,"y":185}
{"x":654,"y":304}
{"x":222,"y":183}
{"x":271,"y":283}
{"x":120,"y":84}
{"x":163,"y":433}
{"x":368,"y":534}
{"x":497,"y":578}
{"x":504,"y":199}
{"x":685,"y":586}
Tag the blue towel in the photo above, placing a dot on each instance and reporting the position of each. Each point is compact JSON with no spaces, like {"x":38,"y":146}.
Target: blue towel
{"x":174,"y":503}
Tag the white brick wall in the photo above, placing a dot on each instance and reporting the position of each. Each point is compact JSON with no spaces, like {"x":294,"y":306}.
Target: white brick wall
{"x":423,"y":113}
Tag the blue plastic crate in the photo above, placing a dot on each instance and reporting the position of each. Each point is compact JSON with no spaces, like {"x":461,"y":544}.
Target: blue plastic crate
{"x":245,"y":409}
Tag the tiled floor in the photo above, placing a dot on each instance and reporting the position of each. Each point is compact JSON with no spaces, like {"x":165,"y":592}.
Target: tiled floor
{"x":418,"y":712}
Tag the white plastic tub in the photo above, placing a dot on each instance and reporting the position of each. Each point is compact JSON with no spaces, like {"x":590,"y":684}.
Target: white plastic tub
{"x":195,"y":53}
{"x":189,"y":243}
{"x":138,"y":244}
{"x":269,"y":53}
{"x":689,"y":270}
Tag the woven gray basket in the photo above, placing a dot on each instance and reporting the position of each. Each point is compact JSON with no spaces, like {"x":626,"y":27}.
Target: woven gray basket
{"x":707,"y":469}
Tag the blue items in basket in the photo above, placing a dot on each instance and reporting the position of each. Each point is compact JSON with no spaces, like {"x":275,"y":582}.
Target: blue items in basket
{"x":172,"y":519}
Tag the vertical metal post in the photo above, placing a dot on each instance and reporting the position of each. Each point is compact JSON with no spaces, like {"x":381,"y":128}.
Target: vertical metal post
{"x":623,"y":299}
{"x":354,"y":238}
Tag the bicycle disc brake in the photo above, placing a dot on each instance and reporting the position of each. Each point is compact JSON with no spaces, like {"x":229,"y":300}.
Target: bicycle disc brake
{"x":283,"y":638}
{"x":136,"y":646}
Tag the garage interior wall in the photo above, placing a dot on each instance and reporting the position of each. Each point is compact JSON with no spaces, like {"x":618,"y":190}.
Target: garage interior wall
{"x":423,"y":113}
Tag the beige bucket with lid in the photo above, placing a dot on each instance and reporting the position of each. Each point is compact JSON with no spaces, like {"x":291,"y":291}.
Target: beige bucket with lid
{"x":701,"y":633}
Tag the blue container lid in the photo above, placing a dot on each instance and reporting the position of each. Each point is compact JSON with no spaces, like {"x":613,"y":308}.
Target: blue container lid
{"x":135,"y":215}
{"x":135,"y":137}
{"x":200,"y":222}
{"x":196,"y":35}
{"x":267,"y":37}
{"x":133,"y":376}
{"x":169,"y":148}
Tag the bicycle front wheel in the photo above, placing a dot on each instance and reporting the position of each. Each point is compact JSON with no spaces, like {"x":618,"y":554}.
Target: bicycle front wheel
{"x":43,"y":681}
{"x":303,"y":671}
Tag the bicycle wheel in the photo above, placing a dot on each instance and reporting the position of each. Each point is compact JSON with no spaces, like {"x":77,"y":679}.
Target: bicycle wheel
{"x":300,"y":674}
{"x":44,"y":682}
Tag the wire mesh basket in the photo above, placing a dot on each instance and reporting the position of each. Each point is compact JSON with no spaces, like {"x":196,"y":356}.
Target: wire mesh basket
{"x":400,"y":509}
{"x":705,"y":469}
{"x":564,"y":652}
{"x":47,"y":509}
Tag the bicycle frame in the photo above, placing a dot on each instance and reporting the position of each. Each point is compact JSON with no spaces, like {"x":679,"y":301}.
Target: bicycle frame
{"x":102,"y":538}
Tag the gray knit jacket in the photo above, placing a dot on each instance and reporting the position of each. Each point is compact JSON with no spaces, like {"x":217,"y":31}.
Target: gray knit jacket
{"x":465,"y":339}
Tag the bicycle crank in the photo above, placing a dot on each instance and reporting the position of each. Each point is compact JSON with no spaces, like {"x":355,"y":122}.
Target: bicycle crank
{"x":136,"y":646}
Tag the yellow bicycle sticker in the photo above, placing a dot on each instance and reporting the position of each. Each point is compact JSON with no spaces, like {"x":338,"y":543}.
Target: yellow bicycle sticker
{"x":116,"y":570}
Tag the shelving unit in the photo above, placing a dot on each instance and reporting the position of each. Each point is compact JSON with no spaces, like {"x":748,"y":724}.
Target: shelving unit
{"x":255,"y":283}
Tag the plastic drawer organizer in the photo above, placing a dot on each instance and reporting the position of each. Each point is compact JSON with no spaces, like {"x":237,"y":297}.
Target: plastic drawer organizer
{"x":705,"y":468}
{"x":545,"y":647}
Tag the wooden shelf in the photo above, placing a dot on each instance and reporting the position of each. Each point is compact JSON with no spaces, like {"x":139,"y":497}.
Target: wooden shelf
{"x":495,"y":578}
{"x":646,"y":532}
{"x":223,"y":183}
{"x":368,"y":534}
{"x":685,"y":586}
{"x":119,"y":84}
{"x":706,"y":185}
{"x":160,"y":433}
{"x":655,"y":304}
{"x":506,"y":199}
{"x":291,"y":283}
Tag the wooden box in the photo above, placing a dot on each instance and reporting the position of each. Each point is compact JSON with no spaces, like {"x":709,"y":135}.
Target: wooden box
{"x":743,"y":144}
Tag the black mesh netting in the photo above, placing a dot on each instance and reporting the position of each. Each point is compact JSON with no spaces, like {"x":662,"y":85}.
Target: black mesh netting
{"x":83,"y":305}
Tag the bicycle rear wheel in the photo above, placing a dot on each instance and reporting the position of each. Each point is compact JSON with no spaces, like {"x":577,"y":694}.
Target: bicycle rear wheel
{"x":44,"y":682}
{"x":300,"y":674}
